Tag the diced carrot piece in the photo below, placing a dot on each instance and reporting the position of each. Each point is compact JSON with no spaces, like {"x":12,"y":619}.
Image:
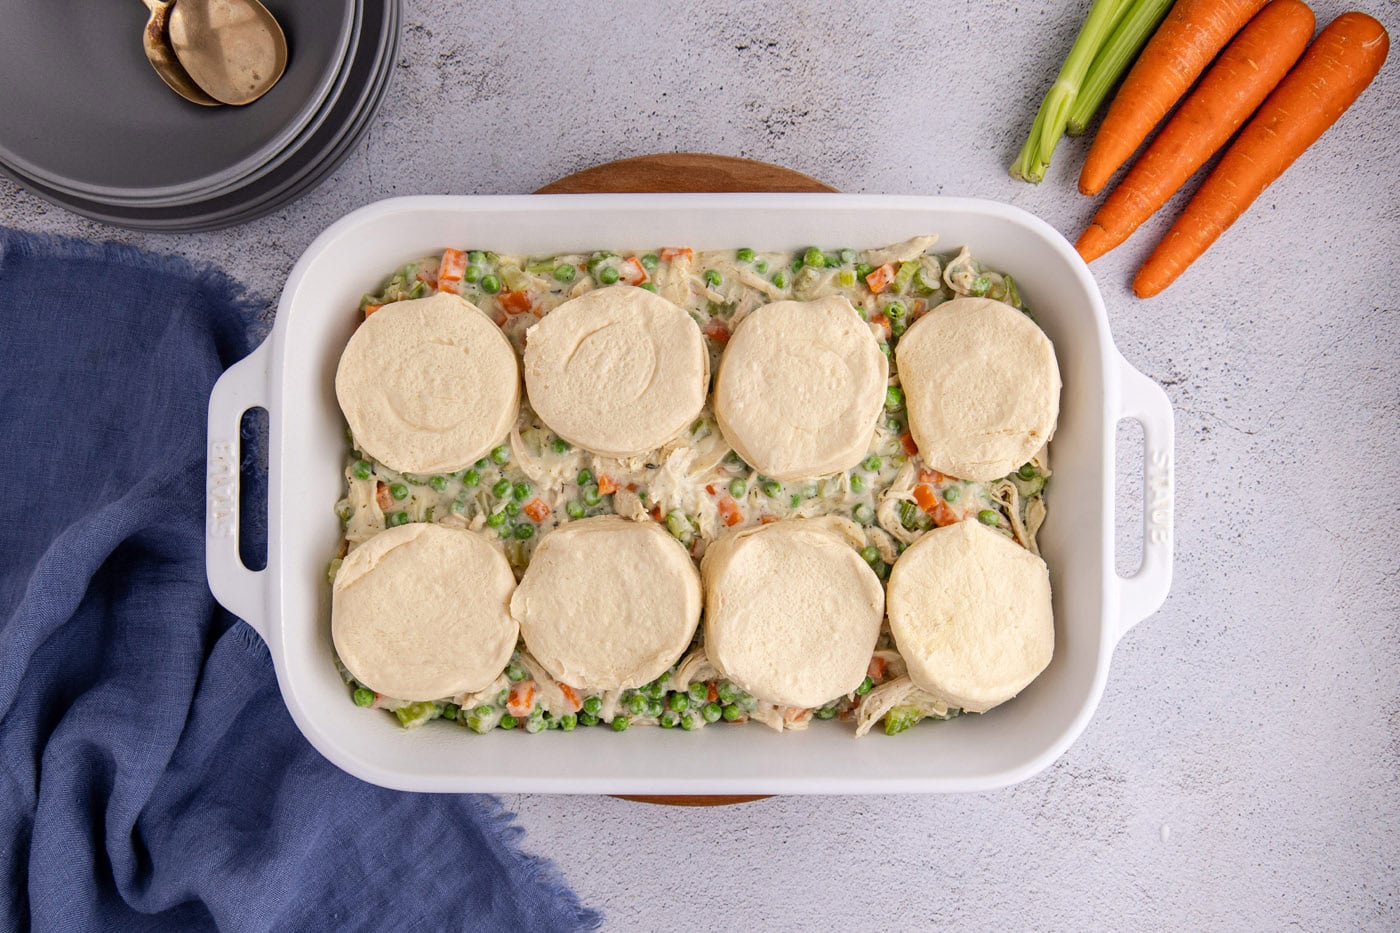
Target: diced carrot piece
{"x":383,"y":497}
{"x":371,"y":309}
{"x":883,"y":323}
{"x":518,"y":302}
{"x":633,"y":272}
{"x":606,"y":484}
{"x":537,"y":509}
{"x":522,"y":698}
{"x":767,"y":519}
{"x":655,"y":513}
{"x":454,"y":288}
{"x":572,"y":698}
{"x":943,"y":514}
{"x":427,"y":276}
{"x":713,"y":693}
{"x":906,"y":440}
{"x":925,"y":496}
{"x":632,"y":487}
{"x":710,"y":488}
{"x":729,"y":511}
{"x":672,"y":252}
{"x":717,"y":331}
{"x":930,"y":475}
{"x":876,"y":670}
{"x":880,"y":279}
{"x":453,"y":266}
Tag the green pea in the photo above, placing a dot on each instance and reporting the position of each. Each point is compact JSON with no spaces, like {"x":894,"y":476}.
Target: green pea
{"x":650,"y":261}
{"x":678,"y":701}
{"x":865,"y":687}
{"x":637,"y":704}
{"x":591,"y":495}
{"x":585,"y":477}
{"x":897,"y":328}
{"x":761,"y":267}
{"x":699,"y":693}
{"x":501,"y":488}
{"x":771,"y":488}
{"x":476,"y":256}
{"x":712,"y":277}
{"x":438,"y":482}
{"x":691,"y":720}
{"x":731,"y":713}
{"x":512,"y":508}
{"x":826,"y":712}
{"x":496,"y":519}
{"x":593,"y":705}
{"x":744,"y":255}
{"x":885,"y":349}
{"x":894,"y":425}
{"x":564,"y":272}
{"x":813,"y":257}
{"x":655,"y":709}
{"x":857,"y":483}
{"x":711,"y":711}
{"x":848,"y":255}
{"x":846,"y":278}
{"x":863,"y":269}
{"x":780,"y":279}
{"x":795,"y":501}
{"x":796,"y":264}
{"x":677,"y":524}
{"x":362,"y":696}
{"x":490,"y":284}
{"x":588,"y":719}
{"x":648,"y":286}
{"x":727,"y":692}
{"x":669,"y":719}
{"x":895,"y":311}
{"x":524,"y":532}
{"x":620,"y":723}
{"x":507,"y":721}
{"x":472,"y":274}
{"x":980,"y":285}
{"x":988,"y":517}
{"x":361,"y":469}
{"x":503,"y":698}
{"x":567,"y":722}
{"x":737,"y":488}
{"x":863,"y":514}
{"x":516,"y":672}
{"x":608,"y":275}
{"x":471,"y":478}
{"x":894,"y":398}
{"x":450,"y":710}
{"x":870,"y":554}
{"x":1027,"y":471}
{"x":951,"y":494}
{"x":872,"y":463}
{"x":656,"y":689}
{"x":574,"y":509}
{"x":500,"y":455}
{"x":458,"y":507}
{"x":522,"y":491}
{"x":398,"y":491}
{"x":396,"y":519}
{"x":560,"y":446}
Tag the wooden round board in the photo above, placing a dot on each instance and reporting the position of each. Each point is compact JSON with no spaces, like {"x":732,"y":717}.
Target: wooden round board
{"x":685,"y":172}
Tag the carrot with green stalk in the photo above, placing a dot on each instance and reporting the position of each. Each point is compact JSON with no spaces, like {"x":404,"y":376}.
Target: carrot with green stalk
{"x":1249,"y":68}
{"x":1332,"y":73}
{"x":1178,"y":52}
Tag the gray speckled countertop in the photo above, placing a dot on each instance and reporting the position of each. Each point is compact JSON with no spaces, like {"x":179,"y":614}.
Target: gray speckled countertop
{"x":1241,"y":771}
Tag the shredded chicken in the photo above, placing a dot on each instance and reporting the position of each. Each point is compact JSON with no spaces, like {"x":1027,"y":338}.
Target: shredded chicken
{"x":898,"y":692}
{"x":887,"y":514}
{"x":695,"y":667}
{"x":899,"y":252}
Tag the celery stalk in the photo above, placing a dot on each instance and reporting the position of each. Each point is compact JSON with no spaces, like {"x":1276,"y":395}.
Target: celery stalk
{"x":1053,"y":116}
{"x":1120,"y":51}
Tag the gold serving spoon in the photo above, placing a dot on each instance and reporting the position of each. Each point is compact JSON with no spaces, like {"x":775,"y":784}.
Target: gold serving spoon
{"x":234,"y":50}
{"x":162,"y":56}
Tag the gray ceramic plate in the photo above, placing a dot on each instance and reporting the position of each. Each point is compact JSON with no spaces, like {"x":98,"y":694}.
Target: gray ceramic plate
{"x":352,"y":108}
{"x":84,"y":113}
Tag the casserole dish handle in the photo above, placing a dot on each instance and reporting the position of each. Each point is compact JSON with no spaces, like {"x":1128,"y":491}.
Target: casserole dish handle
{"x":242,"y":591}
{"x":1145,"y":402}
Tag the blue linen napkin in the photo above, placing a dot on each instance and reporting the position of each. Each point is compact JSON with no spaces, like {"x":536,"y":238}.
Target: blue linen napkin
{"x":150,"y":777}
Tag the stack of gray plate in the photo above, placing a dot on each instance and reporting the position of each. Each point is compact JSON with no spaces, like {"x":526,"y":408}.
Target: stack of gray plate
{"x":86,"y":123}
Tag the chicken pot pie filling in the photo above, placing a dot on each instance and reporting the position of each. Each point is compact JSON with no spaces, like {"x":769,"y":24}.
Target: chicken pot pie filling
{"x":695,"y":486}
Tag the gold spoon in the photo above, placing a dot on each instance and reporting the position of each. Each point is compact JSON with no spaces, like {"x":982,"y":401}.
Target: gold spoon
{"x":233,"y":49}
{"x":162,"y":57}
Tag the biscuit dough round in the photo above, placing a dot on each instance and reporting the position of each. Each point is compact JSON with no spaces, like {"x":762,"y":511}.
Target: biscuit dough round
{"x":428,"y":385}
{"x":981,"y":386}
{"x":608,"y":603}
{"x":422,"y":612}
{"x":970,"y":613}
{"x":800,"y":387}
{"x":618,"y":371}
{"x":792,"y":612}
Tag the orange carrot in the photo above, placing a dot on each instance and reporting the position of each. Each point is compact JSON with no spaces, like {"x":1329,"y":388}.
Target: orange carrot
{"x":452,"y":267}
{"x":606,"y":484}
{"x":930,"y":475}
{"x":1233,"y":89}
{"x":537,"y":509}
{"x":633,"y":272}
{"x":522,"y":698}
{"x":906,"y":440}
{"x":882,"y":324}
{"x":711,"y":691}
{"x":672,"y":252}
{"x":572,"y":698}
{"x":880,"y":279}
{"x":515,"y":302}
{"x":729,"y":511}
{"x":1333,"y":72}
{"x":767,"y":519}
{"x":717,"y":331}
{"x":370,"y":309}
{"x":382,"y":497}
{"x":875,"y":670}
{"x":1193,"y":32}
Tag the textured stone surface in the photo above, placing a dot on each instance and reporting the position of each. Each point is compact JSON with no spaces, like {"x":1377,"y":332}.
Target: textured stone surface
{"x":1242,"y":768}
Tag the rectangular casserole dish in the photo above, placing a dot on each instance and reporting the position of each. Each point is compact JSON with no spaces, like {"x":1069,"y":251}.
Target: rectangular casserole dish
{"x":291,"y":375}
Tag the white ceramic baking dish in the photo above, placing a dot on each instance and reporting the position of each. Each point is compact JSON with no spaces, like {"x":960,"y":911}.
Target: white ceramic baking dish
{"x":291,"y":376}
